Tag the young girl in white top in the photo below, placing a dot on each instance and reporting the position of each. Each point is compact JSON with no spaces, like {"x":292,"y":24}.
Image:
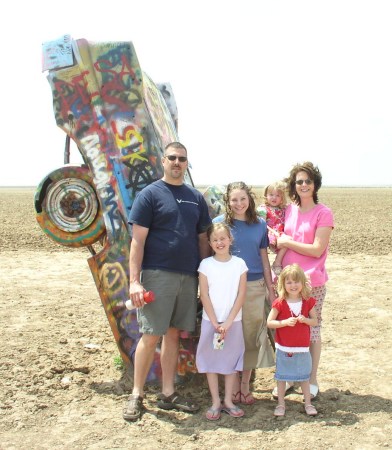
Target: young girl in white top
{"x":292,"y":315}
{"x":221,"y":347}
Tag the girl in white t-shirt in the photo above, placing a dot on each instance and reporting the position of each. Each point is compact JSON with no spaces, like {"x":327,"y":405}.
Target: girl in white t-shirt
{"x":222,"y":280}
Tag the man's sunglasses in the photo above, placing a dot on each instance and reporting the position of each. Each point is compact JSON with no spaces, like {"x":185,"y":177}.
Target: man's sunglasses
{"x":308,"y":181}
{"x":174,"y":157}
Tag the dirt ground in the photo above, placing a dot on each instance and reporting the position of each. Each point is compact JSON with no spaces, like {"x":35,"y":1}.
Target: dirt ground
{"x":61,"y":389}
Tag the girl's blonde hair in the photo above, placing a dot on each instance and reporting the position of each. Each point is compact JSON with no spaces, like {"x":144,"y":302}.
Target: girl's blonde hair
{"x":217,"y":227}
{"x":279,"y":186}
{"x":296,"y":274}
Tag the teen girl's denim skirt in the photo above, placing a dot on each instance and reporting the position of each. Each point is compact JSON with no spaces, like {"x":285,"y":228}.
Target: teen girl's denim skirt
{"x":293,"y":366}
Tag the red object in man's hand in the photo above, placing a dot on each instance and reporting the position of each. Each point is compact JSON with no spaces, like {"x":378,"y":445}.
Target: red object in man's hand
{"x":149,"y":296}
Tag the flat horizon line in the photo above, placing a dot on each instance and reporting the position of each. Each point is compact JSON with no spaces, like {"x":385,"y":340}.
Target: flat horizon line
{"x":257,"y":186}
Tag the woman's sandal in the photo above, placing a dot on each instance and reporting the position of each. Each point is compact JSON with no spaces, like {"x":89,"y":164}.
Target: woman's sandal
{"x":310,"y":410}
{"x":133,"y":408}
{"x":280,"y":411}
{"x":177,"y":401}
{"x":236,"y":398}
{"x":247,"y":399}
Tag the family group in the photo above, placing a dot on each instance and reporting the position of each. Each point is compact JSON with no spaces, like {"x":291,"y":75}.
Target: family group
{"x":255,"y":314}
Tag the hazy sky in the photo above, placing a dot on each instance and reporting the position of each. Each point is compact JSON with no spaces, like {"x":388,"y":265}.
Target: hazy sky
{"x":259,"y":85}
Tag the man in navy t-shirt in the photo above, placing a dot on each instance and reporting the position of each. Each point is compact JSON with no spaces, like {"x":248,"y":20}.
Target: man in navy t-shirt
{"x":169,"y":220}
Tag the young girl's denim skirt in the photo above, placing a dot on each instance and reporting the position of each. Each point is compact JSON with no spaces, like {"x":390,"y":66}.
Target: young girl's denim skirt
{"x":293,"y":366}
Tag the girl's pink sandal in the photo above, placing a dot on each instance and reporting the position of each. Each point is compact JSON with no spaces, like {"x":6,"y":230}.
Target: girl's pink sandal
{"x":213,"y":414}
{"x":311,"y":410}
{"x":280,"y":411}
{"x":233,"y":412}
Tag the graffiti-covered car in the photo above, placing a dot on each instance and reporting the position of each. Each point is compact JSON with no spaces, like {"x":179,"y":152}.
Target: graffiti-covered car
{"x":120,"y":122}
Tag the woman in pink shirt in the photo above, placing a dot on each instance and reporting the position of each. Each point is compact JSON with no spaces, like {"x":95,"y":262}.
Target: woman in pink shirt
{"x":307,"y":231}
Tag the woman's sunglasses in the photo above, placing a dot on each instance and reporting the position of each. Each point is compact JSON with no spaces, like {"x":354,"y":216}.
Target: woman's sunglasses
{"x":308,"y":181}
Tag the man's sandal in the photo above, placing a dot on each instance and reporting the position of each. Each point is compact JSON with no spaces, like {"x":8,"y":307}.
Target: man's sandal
{"x":133,"y":407}
{"x":177,"y":401}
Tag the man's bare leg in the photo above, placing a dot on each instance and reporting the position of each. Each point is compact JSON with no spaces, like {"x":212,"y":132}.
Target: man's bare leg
{"x":169,"y":360}
{"x":144,"y":357}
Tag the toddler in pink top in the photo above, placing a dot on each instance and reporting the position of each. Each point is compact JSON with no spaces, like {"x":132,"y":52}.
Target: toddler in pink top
{"x":273,"y":212}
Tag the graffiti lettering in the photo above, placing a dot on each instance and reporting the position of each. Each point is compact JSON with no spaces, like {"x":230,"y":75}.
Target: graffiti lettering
{"x":98,"y":161}
{"x":71,"y":97}
{"x":119,"y":81}
{"x":116,"y":65}
{"x":139,"y":177}
{"x":110,"y":202}
{"x":132,"y":141}
{"x":114,"y":282}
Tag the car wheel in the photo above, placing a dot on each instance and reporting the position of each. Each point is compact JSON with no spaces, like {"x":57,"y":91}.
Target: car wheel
{"x":67,"y":207}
